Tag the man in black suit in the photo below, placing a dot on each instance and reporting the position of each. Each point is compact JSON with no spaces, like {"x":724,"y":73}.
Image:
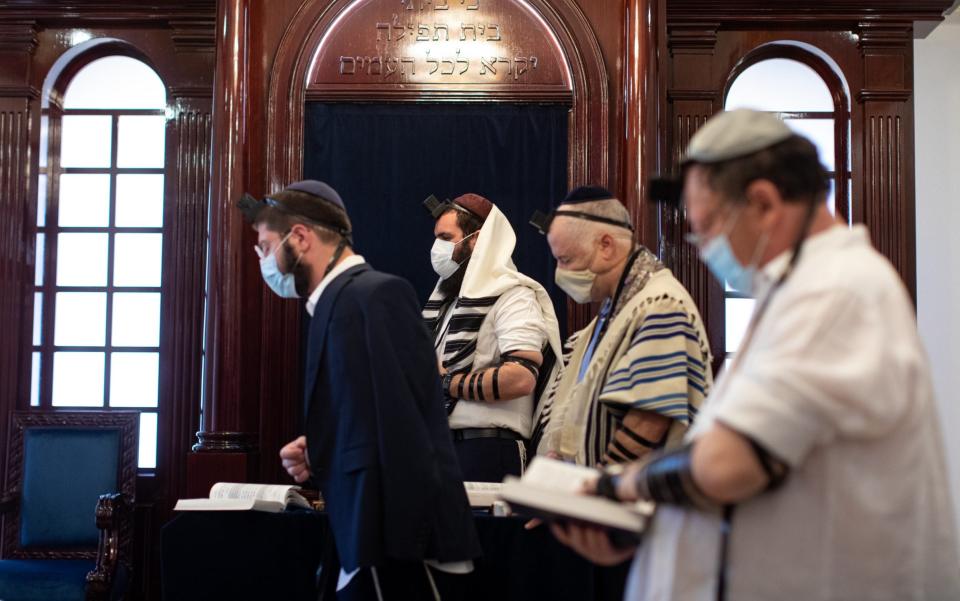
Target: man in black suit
{"x":377,"y":441}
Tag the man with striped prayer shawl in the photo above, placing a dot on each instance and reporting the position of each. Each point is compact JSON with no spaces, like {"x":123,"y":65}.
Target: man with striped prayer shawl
{"x":494,"y":332}
{"x":633,"y":379}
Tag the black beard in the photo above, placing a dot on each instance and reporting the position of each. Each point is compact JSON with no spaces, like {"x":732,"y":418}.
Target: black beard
{"x":301,"y":274}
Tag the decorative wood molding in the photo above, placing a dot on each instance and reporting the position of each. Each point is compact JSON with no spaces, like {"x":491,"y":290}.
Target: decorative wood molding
{"x":884,"y":95}
{"x":674,"y":94}
{"x":885,"y":35}
{"x":23,"y":91}
{"x":225,"y":442}
{"x":693,"y":37}
{"x":18,"y":35}
{"x":360,"y":94}
{"x":195,"y":34}
{"x":816,"y":13}
{"x":177,"y":92}
{"x":127,"y":422}
{"x":108,"y":13}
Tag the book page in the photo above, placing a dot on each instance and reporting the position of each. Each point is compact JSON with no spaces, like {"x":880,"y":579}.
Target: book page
{"x":560,"y":476}
{"x":266,"y":492}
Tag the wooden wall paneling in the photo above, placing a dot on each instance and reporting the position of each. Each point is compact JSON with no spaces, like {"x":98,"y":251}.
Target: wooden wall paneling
{"x":888,"y":144}
{"x":19,"y":139}
{"x":188,"y":142}
{"x":693,"y":96}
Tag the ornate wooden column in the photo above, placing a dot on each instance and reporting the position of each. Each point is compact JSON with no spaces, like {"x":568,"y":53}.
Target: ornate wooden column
{"x":640,"y":85}
{"x":18,"y":148}
{"x":226,"y":446}
{"x":886,"y":184}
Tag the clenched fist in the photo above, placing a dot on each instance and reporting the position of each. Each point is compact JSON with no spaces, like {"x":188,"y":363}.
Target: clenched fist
{"x":294,"y":458}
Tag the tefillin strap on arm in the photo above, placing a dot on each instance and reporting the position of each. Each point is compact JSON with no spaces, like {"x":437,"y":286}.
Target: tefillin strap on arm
{"x":532,"y":366}
{"x":669,"y":479}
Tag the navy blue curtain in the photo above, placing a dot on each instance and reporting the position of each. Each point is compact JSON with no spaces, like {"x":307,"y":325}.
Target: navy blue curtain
{"x":385,"y":159}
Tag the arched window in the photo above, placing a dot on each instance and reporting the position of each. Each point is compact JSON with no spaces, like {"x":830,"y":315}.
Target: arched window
{"x":100,"y":213}
{"x":801,"y":89}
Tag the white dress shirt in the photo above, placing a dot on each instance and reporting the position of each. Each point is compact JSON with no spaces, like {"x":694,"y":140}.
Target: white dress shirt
{"x":351,"y":261}
{"x":836,"y":384}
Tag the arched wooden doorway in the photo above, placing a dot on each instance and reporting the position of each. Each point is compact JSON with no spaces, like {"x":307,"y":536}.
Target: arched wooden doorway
{"x":450,"y":52}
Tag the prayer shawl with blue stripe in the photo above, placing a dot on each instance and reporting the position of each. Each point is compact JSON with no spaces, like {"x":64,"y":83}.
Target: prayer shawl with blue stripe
{"x":654,"y":356}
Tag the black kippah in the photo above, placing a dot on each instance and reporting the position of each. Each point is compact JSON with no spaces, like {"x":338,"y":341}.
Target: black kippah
{"x":587,"y":194}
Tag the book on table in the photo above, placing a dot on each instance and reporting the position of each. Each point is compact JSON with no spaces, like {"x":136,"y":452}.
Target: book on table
{"x":552,"y":491}
{"x":233,"y":496}
{"x":482,"y":494}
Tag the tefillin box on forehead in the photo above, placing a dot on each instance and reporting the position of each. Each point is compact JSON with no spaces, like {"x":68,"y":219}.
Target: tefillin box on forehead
{"x":435,"y":206}
{"x":665,"y":189}
{"x":250,"y":207}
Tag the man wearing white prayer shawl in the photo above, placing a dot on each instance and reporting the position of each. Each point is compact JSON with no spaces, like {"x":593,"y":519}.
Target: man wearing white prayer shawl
{"x":495,"y":334}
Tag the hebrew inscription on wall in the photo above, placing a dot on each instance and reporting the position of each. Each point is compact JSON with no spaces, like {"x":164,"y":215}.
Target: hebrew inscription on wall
{"x":440,"y":42}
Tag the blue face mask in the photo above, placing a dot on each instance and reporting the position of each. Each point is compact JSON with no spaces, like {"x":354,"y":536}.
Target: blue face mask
{"x":718,"y":255}
{"x":282,"y":284}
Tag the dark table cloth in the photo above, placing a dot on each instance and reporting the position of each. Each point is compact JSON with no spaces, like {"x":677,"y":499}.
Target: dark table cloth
{"x":255,"y":555}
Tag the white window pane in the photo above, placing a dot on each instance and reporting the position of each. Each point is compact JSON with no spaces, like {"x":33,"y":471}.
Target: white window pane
{"x":137,"y":260}
{"x":42,"y":201}
{"x":141,"y":141}
{"x":738,"y":312}
{"x":821,"y":133}
{"x":84,"y":200}
{"x":779,"y":84}
{"x":136,"y":319}
{"x":140,"y":200}
{"x":85,"y":141}
{"x":115,"y":82}
{"x":35,"y":381}
{"x":44,"y":139}
{"x":148,"y":441}
{"x":133,"y":379}
{"x":77,"y":379}
{"x":37,"y":317}
{"x":81,"y":259}
{"x":38,"y":268}
{"x":81,"y":319}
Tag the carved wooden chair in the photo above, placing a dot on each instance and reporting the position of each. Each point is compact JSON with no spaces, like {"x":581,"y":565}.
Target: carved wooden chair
{"x":67,"y":505}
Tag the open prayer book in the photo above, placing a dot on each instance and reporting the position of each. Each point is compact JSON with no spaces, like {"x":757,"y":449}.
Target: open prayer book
{"x":483,"y":494}
{"x":550,"y":490}
{"x":231,"y":496}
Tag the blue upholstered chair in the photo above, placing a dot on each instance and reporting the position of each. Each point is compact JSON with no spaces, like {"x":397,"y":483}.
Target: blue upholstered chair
{"x":67,"y":505}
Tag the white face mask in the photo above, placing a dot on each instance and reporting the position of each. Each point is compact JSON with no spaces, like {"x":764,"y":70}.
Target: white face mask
{"x":441,"y":256}
{"x":577,"y":284}
{"x":282,"y":284}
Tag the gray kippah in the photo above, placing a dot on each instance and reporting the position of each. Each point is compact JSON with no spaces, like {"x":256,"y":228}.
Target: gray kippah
{"x":734,"y":134}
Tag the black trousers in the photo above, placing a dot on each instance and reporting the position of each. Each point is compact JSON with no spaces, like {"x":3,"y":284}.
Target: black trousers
{"x":403,"y":581}
{"x":489,"y":459}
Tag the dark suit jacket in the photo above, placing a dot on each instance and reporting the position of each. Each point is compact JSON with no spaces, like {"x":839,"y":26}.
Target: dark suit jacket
{"x":377,"y":434}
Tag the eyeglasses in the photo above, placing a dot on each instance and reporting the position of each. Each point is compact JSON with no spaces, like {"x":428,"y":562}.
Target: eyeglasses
{"x":264,"y":254}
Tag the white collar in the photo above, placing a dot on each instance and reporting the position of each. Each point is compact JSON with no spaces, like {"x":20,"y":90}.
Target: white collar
{"x":351,"y":261}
